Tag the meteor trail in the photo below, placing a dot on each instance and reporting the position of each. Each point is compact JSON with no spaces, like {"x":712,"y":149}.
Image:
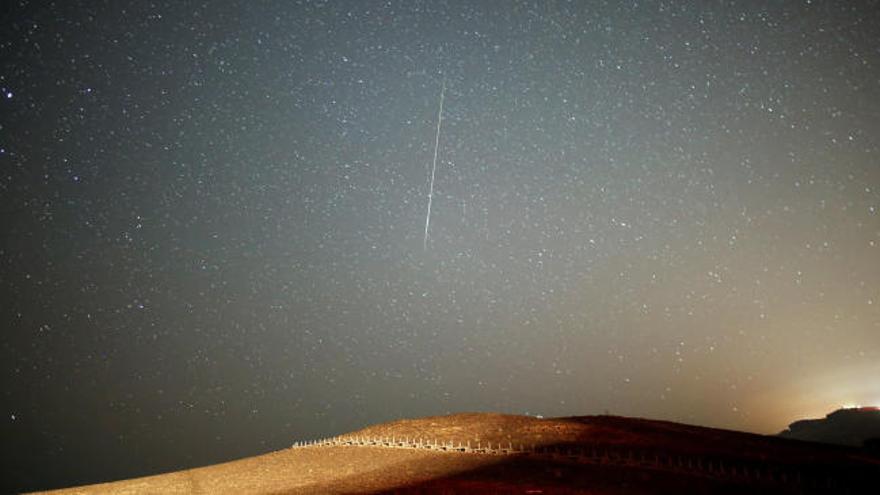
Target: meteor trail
{"x":434,"y":164}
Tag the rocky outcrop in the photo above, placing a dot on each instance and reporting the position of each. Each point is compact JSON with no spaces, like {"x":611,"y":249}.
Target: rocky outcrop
{"x":855,"y":427}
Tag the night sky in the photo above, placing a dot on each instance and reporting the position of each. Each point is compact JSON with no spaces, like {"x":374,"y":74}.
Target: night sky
{"x":212,"y":220}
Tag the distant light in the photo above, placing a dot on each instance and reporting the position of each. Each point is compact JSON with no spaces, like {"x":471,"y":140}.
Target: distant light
{"x":8,"y":95}
{"x":861,"y":407}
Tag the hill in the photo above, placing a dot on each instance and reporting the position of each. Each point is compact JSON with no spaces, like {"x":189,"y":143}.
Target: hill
{"x":851,"y":426}
{"x":494,"y":453}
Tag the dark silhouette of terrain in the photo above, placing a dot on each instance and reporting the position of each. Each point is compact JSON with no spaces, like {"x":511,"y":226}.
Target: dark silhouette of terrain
{"x":856,"y":427}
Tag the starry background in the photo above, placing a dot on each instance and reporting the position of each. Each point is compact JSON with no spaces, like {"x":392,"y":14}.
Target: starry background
{"x":213,"y":217}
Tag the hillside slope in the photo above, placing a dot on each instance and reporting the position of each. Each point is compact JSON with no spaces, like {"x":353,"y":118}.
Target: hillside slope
{"x":520,"y":454}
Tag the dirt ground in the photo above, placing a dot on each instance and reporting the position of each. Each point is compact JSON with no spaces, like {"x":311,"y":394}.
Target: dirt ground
{"x":359,"y":469}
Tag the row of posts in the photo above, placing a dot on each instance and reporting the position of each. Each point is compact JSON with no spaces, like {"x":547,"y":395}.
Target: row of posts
{"x":421,"y":443}
{"x":713,"y":468}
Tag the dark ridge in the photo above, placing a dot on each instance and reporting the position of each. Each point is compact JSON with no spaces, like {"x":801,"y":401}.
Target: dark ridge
{"x":854,"y":427}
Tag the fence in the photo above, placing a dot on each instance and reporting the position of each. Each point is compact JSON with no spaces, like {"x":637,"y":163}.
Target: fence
{"x":820,"y":478}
